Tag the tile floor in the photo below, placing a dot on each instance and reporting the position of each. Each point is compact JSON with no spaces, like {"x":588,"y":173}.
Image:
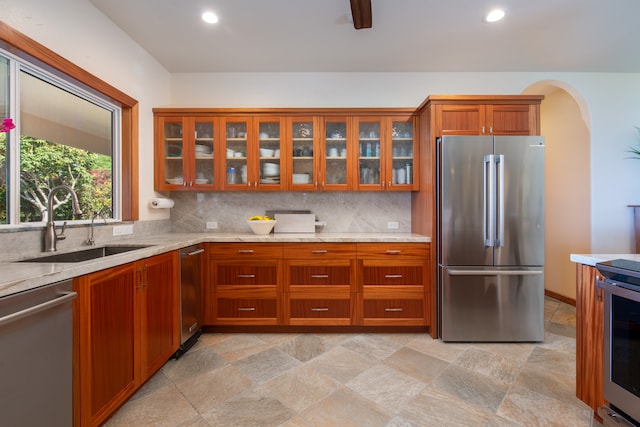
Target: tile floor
{"x":370,"y":380}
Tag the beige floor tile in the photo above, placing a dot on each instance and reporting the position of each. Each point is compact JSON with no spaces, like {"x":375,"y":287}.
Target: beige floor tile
{"x":249,"y":410}
{"x":167,"y":407}
{"x":299,"y":388}
{"x":416,"y":364}
{"x":549,"y":383}
{"x":387,"y":387}
{"x":268,"y":364}
{"x":193,"y":363}
{"x":436,"y":348}
{"x":304,"y":347}
{"x":373,"y":346}
{"x":555,"y":361}
{"x":239,"y":346}
{"x":345,"y":408}
{"x":529,"y":408}
{"x":490,"y":364}
{"x":472,"y":387}
{"x":340,"y":364}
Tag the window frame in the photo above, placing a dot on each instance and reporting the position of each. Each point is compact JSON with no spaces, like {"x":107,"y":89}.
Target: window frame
{"x":22,"y":46}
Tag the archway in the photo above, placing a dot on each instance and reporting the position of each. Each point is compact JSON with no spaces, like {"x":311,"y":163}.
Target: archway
{"x":565,"y":124}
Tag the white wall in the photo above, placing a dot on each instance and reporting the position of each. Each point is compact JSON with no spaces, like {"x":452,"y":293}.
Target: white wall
{"x":80,"y":33}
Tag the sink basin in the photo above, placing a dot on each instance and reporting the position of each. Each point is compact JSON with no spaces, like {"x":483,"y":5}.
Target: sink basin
{"x":87,"y":254}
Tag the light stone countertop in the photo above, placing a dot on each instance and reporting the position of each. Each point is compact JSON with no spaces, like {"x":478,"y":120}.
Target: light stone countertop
{"x":17,"y":277}
{"x":593,"y":259}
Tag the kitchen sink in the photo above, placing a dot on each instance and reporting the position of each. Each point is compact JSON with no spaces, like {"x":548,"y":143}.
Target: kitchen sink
{"x":87,"y":254}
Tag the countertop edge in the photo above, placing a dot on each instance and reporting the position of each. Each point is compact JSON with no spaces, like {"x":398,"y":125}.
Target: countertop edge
{"x":593,"y":259}
{"x":19,"y":277}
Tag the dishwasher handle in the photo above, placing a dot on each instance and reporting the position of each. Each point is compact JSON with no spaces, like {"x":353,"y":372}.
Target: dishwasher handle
{"x":196,"y":252}
{"x":63,"y":298}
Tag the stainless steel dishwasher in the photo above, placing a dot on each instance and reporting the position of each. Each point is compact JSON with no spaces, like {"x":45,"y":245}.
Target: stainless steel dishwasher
{"x":190,"y":298}
{"x":36,"y":341}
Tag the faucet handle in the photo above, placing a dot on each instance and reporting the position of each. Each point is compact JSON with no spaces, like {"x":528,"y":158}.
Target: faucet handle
{"x":61,"y":236}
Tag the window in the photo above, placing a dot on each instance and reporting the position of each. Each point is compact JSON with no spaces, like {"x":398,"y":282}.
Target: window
{"x":65,"y":134}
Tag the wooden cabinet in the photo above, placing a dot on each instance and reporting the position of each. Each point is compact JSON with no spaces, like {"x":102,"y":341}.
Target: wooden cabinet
{"x":127,"y":327}
{"x":245,"y":284}
{"x":589,"y":337}
{"x":292,"y":149}
{"x":394,"y":284}
{"x":185,"y":153}
{"x":319,"y":283}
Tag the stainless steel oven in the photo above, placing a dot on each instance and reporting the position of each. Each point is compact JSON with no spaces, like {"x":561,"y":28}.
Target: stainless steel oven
{"x":621,"y":288}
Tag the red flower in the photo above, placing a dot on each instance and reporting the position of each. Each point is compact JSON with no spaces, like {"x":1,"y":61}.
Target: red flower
{"x":7,"y":125}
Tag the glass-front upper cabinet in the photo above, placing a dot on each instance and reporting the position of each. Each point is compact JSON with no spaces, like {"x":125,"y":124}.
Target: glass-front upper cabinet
{"x":336,"y":154}
{"x":238,"y":174}
{"x":370,"y":151}
{"x":203,"y":153}
{"x":400,"y":159}
{"x":270,"y":168}
{"x":304,"y":152}
{"x":170,"y":160}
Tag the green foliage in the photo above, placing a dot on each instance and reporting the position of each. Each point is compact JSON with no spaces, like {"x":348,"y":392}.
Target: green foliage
{"x":45,"y":165}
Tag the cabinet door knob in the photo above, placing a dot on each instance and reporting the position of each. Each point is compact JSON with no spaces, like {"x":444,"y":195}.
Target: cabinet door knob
{"x":319,"y":308}
{"x":393,"y":251}
{"x":319,"y":276}
{"x":319,"y":251}
{"x":246,"y":309}
{"x":246,"y":276}
{"x":245,"y":251}
{"x":393,"y":276}
{"x":393,"y":309}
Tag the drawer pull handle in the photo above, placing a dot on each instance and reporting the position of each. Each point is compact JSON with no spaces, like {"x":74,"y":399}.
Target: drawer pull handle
{"x":393,"y":309}
{"x":246,"y":276}
{"x":393,"y":276}
{"x":246,"y":309}
{"x":319,"y":308}
{"x":319,"y":251}
{"x":393,"y":251}
{"x":245,"y":251}
{"x":319,"y":276}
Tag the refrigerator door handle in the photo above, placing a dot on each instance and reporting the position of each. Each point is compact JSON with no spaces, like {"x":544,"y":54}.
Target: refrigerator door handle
{"x":488,"y":200}
{"x":500,"y":205}
{"x":453,"y":272}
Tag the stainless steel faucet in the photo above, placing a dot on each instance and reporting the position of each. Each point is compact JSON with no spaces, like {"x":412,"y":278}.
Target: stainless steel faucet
{"x":91,"y":241}
{"x":50,"y":235}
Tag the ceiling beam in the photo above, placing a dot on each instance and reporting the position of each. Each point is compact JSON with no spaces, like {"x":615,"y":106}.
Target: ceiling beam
{"x":361,"y":13}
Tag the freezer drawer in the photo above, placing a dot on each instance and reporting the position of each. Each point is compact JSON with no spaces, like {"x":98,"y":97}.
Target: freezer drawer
{"x":492,"y":304}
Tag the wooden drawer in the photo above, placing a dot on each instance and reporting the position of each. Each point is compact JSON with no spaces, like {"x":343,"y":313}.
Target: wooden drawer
{"x":245,"y":251}
{"x":319,"y":250}
{"x":246,"y":308}
{"x":394,"y":308}
{"x":391,"y":251}
{"x":319,"y":275}
{"x":246,"y":274}
{"x":320,"y":308}
{"x":392,"y":275}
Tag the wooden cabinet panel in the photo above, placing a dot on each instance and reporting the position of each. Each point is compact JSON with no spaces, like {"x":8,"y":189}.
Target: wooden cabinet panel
{"x":391,"y":251}
{"x":392,"y":275}
{"x":318,"y":251}
{"x":247,"y":308}
{"x":314,"y":275}
{"x":126,"y":328}
{"x":245,"y":251}
{"x":320,"y":308}
{"x":508,"y":119}
{"x":589,"y":337}
{"x":246,"y":273}
{"x":460,"y":119}
{"x":394,"y":308}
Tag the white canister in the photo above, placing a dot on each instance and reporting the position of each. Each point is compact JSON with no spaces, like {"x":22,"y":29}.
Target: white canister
{"x":402,"y":176}
{"x":333,"y":152}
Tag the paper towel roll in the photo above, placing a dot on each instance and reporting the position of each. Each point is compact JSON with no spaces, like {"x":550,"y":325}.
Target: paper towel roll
{"x":160,"y":203}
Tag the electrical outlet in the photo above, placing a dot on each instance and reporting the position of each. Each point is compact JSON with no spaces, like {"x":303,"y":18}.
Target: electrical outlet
{"x":393,"y":225}
{"x":121,"y":230}
{"x":212,"y":225}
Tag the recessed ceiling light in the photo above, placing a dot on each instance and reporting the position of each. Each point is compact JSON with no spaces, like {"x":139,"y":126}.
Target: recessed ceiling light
{"x":210,"y":17}
{"x":494,"y":16}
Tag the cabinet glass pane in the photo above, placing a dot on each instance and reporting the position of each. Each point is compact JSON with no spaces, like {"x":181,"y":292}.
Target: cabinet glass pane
{"x":236,"y":143}
{"x":302,"y":152}
{"x":336,"y":152}
{"x":173,"y":155}
{"x":204,"y":153}
{"x":369,"y":152}
{"x":269,"y":144}
{"x":402,"y":152}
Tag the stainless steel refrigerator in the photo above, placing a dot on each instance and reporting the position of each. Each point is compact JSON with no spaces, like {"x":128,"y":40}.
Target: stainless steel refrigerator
{"x":490,"y":238}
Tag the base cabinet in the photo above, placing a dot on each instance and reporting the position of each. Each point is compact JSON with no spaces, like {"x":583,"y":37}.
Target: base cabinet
{"x":589,"y":337}
{"x":126,"y":329}
{"x":319,"y":284}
